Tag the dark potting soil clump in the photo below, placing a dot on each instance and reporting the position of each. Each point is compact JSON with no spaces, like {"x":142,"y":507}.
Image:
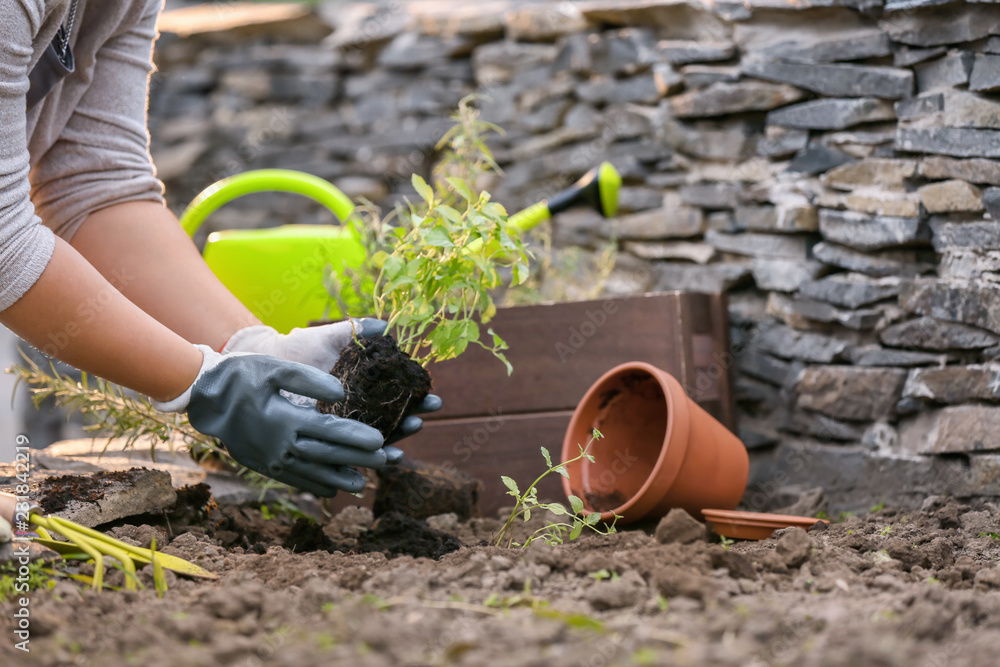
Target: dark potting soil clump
{"x":382,"y":384}
{"x":421,"y":490}
{"x":307,"y":535}
{"x":55,"y":493}
{"x":396,"y":534}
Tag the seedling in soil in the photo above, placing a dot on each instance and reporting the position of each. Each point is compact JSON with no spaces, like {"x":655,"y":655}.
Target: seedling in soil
{"x":552,"y":532}
{"x":12,"y":583}
{"x":991,"y":535}
{"x":726,"y":542}
{"x":601,"y":575}
{"x":433,"y":266}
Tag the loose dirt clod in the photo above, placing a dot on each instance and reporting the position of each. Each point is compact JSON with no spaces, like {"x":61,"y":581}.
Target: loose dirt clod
{"x":396,"y":534}
{"x":382,"y":384}
{"x":422,"y":490}
{"x":679,"y":526}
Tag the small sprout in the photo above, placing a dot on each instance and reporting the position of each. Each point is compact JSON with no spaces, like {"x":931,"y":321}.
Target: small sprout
{"x":726,"y":542}
{"x":991,"y":535}
{"x":662,"y":603}
{"x":933,"y":580}
{"x":822,"y":515}
{"x":877,"y":508}
{"x":886,"y":530}
{"x":601,"y":575}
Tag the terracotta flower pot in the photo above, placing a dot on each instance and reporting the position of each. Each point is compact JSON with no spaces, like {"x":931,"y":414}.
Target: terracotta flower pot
{"x":660,"y":449}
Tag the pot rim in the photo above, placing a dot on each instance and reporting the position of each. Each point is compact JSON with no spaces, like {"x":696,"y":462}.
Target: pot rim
{"x":672,"y":447}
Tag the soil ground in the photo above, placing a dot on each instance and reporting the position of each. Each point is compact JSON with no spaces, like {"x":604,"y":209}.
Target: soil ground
{"x":891,"y":588}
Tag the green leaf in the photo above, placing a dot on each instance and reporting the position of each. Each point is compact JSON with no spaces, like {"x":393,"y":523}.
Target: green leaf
{"x":561,"y":469}
{"x":577,"y":529}
{"x":425,"y":191}
{"x":378,"y":259}
{"x":557,"y":508}
{"x":449,"y":214}
{"x":592,"y":518}
{"x":392,"y":267}
{"x":576,"y":504}
{"x":462,"y":188}
{"x":527,"y":515}
{"x":438,"y":238}
{"x":547,"y":457}
{"x":510,"y":484}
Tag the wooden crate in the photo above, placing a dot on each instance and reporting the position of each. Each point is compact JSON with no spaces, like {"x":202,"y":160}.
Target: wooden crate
{"x":493,"y":425}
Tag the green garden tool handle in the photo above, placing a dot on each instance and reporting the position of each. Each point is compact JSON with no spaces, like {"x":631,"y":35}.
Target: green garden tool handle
{"x":265,"y":180}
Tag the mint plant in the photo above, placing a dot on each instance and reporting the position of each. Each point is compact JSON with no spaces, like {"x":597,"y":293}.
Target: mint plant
{"x":554,"y":532}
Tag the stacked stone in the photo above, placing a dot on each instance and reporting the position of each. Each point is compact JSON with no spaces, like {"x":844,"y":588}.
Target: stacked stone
{"x":833,"y":168}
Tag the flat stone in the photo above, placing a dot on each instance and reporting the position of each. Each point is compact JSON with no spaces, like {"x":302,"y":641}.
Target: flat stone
{"x":544,"y":22}
{"x":817,"y":158}
{"x":720,"y":99}
{"x":838,"y":80}
{"x":952,"y":430}
{"x":832,"y":113}
{"x":920,"y":106}
{"x":694,"y":278}
{"x":851,"y":290}
{"x":985,"y":73}
{"x":712,"y":195}
{"x":884,"y":172}
{"x":974,"y":171}
{"x":955,"y":384}
{"x":683,"y":52}
{"x":874,"y":355}
{"x":928,"y":333}
{"x":978,"y":236}
{"x":764,"y":367}
{"x":411,"y":50}
{"x":642,"y":88}
{"x":699,"y":253}
{"x":124,"y":494}
{"x":875,"y":201}
{"x":668,"y":80}
{"x":819,"y":426}
{"x":623,"y":51}
{"x":865,"y":232}
{"x":991,"y":201}
{"x":672,"y":220}
{"x":731,"y":141}
{"x":880,"y":264}
{"x":779,"y":142}
{"x":759,"y":244}
{"x":951,"y":197}
{"x":948,"y":72}
{"x":841,"y":46}
{"x":969,"y":302}
{"x":962,"y":109}
{"x":498,"y":62}
{"x":906,"y":56}
{"x":784,"y":275}
{"x":934,"y":26}
{"x":777,"y":218}
{"x":954,"y":141}
{"x":721,"y":221}
{"x":970,"y":264}
{"x":700,"y":76}
{"x":853,"y":394}
{"x":679,"y":527}
{"x":788,"y":343}
{"x":804,"y":310}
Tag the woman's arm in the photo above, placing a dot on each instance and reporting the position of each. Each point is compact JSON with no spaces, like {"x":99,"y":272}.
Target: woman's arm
{"x":141,"y":248}
{"x":74,"y":314}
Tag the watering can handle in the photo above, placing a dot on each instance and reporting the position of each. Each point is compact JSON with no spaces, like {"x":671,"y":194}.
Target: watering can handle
{"x":264,"y":180}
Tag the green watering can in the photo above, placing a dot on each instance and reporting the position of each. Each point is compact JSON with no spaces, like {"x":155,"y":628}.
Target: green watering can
{"x":279,"y":273}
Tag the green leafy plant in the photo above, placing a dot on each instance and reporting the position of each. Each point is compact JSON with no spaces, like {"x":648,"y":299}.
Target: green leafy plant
{"x":435,"y":262}
{"x":554,"y":531}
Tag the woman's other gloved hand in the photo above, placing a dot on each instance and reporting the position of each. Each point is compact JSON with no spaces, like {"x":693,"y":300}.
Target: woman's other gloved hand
{"x":237,"y":398}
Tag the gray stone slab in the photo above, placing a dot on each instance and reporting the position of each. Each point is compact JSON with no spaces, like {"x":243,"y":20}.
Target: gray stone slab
{"x":669,"y":221}
{"x":779,"y":142}
{"x":777,"y":218}
{"x":683,"y":52}
{"x":954,"y":384}
{"x":720,"y":99}
{"x":991,"y":200}
{"x":947,"y":72}
{"x":694,"y":278}
{"x":985,"y":73}
{"x":759,"y":244}
{"x":828,"y":429}
{"x":764,"y":367}
{"x":952,"y":430}
{"x":849,"y":393}
{"x":787,"y":343}
{"x":868,"y":232}
{"x":817,"y":158}
{"x":851,"y":290}
{"x":979,"y":236}
{"x":918,"y":107}
{"x":875,"y":355}
{"x":784,"y":275}
{"x":906,"y":56}
{"x":936,"y":26}
{"x":968,"y":302}
{"x":832,"y":114}
{"x":928,"y":333}
{"x":712,"y":195}
{"x":878,"y":264}
{"x":856,"y":44}
{"x":954,"y":141}
{"x":976,"y":170}
{"x":838,"y":80}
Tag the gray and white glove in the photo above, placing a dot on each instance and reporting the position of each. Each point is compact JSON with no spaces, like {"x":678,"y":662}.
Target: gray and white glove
{"x":238,"y":399}
{"x":320,"y":348}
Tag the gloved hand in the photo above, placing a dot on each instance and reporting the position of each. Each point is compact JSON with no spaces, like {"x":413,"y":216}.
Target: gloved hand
{"x":320,"y":347}
{"x":237,"y":399}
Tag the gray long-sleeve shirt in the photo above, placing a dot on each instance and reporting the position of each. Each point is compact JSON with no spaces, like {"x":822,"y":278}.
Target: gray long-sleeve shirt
{"x":85,"y":146}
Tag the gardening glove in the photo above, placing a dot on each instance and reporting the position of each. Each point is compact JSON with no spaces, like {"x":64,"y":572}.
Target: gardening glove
{"x":320,"y":347}
{"x":238,"y":399}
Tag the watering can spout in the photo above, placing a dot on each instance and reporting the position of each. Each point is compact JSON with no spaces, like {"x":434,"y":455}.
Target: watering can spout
{"x":597,"y":189}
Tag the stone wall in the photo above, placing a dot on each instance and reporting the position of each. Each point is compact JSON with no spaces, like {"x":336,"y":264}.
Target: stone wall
{"x":831,"y":167}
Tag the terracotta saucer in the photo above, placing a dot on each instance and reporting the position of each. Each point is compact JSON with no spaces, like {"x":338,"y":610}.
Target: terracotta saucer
{"x":754,"y":525}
